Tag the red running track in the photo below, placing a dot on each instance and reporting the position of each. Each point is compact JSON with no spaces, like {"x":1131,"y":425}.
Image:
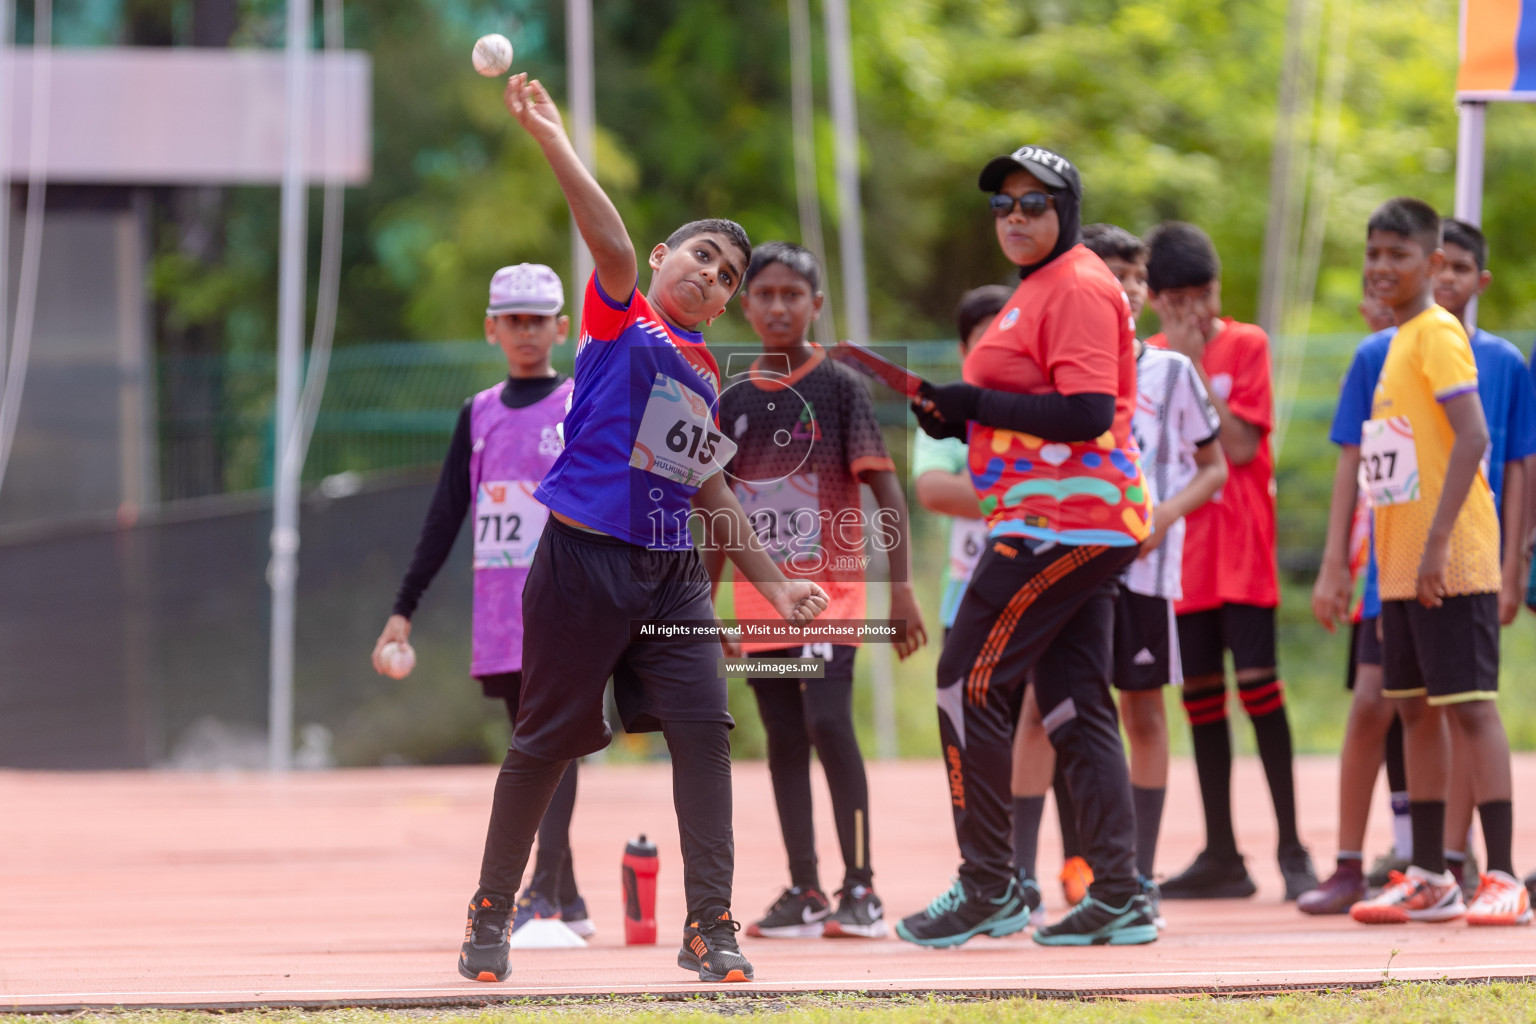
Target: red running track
{"x":153,"y":889}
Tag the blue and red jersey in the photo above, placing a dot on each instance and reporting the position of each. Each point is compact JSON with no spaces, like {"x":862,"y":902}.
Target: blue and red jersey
{"x":624,"y":350}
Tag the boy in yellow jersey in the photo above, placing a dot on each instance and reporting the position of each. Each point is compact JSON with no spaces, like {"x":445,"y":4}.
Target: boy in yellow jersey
{"x":1437,"y":550}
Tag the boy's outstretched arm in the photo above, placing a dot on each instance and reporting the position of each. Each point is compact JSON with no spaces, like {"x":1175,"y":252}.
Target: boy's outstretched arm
{"x":726,"y":527}
{"x":1466,"y":415}
{"x":601,"y":227}
{"x":894,"y":531}
{"x":1333,"y":589}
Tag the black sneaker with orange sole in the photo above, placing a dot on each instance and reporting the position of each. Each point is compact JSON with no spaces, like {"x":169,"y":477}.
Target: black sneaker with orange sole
{"x":709,"y":947}
{"x":487,"y":935}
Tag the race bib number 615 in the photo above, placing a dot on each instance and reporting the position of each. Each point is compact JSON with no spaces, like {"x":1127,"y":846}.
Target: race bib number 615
{"x":678,"y":438}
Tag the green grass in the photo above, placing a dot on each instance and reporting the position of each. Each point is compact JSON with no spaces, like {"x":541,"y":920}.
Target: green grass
{"x":1427,"y":1003}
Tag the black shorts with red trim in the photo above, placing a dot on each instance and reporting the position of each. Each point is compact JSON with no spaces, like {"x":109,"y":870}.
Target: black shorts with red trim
{"x":1146,"y":642}
{"x":1447,"y":655}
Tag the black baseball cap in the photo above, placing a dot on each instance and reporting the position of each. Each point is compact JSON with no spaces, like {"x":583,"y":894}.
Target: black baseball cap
{"x":1053,"y":169}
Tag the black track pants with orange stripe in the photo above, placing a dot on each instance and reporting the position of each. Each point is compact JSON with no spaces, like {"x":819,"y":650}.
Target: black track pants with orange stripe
{"x":1050,"y":608}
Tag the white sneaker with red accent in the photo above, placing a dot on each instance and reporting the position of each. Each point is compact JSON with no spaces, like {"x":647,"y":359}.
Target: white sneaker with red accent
{"x":1415,"y":896}
{"x":1500,"y":900}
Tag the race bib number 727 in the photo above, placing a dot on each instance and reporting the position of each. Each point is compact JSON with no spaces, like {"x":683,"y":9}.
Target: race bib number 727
{"x":1389,"y":461}
{"x":678,"y":438}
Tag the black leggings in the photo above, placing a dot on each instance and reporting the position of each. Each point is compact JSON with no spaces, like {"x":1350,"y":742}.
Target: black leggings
{"x":554,"y":875}
{"x":817,"y":713}
{"x":701,"y":794}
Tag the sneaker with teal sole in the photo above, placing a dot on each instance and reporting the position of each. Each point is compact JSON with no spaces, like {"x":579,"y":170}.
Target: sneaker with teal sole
{"x":1092,"y":923}
{"x":958,"y":915}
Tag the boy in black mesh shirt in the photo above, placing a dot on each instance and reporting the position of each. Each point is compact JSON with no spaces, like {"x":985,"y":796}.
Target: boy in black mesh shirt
{"x":807,"y":438}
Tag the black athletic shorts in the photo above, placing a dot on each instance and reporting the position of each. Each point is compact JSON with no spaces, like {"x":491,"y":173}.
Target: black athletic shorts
{"x":839,"y":659}
{"x":1364,"y":648}
{"x":586,"y":593}
{"x":1246,"y":630}
{"x":1146,"y":642}
{"x":502,"y":685}
{"x":1448,"y":654}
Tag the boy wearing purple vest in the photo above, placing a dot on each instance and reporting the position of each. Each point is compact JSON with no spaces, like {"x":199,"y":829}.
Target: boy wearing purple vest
{"x":506,"y":438}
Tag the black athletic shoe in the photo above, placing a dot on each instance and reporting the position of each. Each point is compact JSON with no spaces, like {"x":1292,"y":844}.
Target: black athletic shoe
{"x":483,"y":957}
{"x":1383,"y":868}
{"x":798,"y":913}
{"x":709,"y":947}
{"x":1296,"y":869}
{"x":1211,"y":877}
{"x":860,"y":914}
{"x":1034,"y":899}
{"x":958,"y":915}
{"x":1154,"y":894}
{"x":1092,"y":923}
{"x":1467,"y":875}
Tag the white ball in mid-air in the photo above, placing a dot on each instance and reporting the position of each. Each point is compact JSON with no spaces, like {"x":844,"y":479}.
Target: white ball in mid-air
{"x":399,"y":659}
{"x":493,"y":54}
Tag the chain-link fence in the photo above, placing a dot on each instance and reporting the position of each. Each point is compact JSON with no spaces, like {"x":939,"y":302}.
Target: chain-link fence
{"x":147,"y":644}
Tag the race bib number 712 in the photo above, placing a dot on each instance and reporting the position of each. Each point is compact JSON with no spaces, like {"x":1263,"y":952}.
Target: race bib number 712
{"x":678,"y":438}
{"x":508,"y":522}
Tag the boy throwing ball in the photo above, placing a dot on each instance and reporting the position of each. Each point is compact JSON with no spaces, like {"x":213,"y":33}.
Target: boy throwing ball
{"x":642,"y":448}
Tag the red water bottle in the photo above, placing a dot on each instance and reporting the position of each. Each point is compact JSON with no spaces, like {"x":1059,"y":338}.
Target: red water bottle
{"x":640,"y":866}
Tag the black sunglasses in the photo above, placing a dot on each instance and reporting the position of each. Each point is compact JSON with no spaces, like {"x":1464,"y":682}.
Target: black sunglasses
{"x":1031,"y":204}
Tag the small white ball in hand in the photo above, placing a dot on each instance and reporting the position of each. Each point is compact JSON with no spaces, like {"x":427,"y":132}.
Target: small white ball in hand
{"x":493,"y":54}
{"x":398,"y":658}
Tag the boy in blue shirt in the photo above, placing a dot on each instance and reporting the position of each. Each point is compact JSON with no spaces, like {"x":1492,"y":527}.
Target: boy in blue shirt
{"x":1509,"y":402}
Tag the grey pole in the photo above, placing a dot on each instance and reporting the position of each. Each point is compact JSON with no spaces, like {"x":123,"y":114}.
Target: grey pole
{"x":850,"y":216}
{"x":1469,"y":175}
{"x":582,"y":97}
{"x":283,"y":571}
{"x":1281,"y":226}
{"x":803,"y":133}
{"x":850,"y":237}
{"x":7,"y":41}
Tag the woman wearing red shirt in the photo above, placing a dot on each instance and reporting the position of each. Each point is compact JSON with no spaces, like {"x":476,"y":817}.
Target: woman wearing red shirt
{"x":1046,"y":405}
